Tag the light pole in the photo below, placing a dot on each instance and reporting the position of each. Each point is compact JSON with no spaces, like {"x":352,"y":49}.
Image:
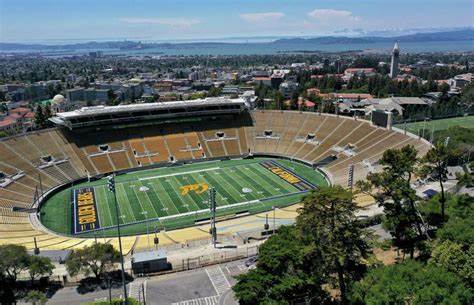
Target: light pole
{"x":147,"y":231}
{"x":156,"y":241}
{"x":212,"y":200}
{"x":36,"y":250}
{"x":111,"y":185}
{"x":274,"y":226}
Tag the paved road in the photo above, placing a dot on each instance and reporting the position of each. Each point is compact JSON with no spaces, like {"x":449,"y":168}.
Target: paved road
{"x":70,"y":296}
{"x":206,"y":286}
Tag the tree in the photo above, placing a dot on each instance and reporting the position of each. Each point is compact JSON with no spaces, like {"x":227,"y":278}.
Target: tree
{"x":47,"y":113}
{"x":39,"y":117}
{"x":278,"y":98}
{"x":410,"y":283}
{"x":435,"y":165}
{"x":111,"y":98}
{"x":3,"y":107}
{"x":39,"y":266}
{"x":95,"y":259}
{"x":456,"y":258}
{"x":465,"y":180}
{"x":460,"y":225}
{"x":396,"y":196}
{"x":468,"y":96}
{"x":329,"y":226}
{"x":214,"y":91}
{"x":14,"y":259}
{"x":36,"y":297}
{"x":285,"y":272}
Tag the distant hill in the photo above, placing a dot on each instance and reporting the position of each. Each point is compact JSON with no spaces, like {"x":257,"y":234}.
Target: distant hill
{"x":92,"y":45}
{"x":457,"y":35}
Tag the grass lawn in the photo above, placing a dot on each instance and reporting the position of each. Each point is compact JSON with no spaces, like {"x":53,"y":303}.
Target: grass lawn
{"x":435,"y":125}
{"x":177,"y":196}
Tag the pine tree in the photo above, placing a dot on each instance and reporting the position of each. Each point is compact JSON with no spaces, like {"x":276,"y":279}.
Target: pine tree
{"x":39,"y":117}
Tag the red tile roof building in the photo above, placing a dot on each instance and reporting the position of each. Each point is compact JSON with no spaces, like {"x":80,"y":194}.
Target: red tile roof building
{"x":17,"y":119}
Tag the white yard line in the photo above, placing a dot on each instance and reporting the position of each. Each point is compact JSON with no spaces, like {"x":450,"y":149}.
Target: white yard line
{"x":124,"y":196}
{"x":179,"y":196}
{"x":206,"y":210}
{"x":159,"y":189}
{"x":183,"y":197}
{"x":149,"y":200}
{"x":139,"y":201}
{"x":106,"y":203}
{"x":182,"y":173}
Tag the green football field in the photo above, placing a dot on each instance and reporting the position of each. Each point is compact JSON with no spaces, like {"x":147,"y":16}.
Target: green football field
{"x":441,"y":124}
{"x":177,"y":196}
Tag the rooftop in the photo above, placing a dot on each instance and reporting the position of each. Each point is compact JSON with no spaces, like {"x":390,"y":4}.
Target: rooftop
{"x":86,"y":111}
{"x":148,"y":256}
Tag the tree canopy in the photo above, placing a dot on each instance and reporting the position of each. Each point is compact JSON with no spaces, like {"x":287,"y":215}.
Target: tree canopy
{"x":410,"y":283}
{"x":397,"y":197}
{"x":326,"y":246}
{"x":14,"y":259}
{"x":284,"y":273}
{"x":328,"y":224}
{"x":39,"y":266}
{"x":435,"y":165}
{"x":95,"y":259}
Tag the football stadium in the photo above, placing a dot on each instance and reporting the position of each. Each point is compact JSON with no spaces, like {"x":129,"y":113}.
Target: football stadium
{"x":165,"y":157}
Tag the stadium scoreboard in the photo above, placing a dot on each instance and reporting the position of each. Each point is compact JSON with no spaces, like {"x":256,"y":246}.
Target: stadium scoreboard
{"x":382,"y":118}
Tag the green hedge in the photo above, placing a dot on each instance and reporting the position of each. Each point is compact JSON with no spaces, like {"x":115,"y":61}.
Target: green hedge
{"x":131,"y":301}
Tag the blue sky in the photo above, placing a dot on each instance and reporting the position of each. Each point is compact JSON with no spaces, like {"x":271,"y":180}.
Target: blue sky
{"x":43,"y":20}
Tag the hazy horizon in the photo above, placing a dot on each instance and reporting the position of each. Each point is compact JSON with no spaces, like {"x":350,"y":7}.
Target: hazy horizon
{"x":31,"y":21}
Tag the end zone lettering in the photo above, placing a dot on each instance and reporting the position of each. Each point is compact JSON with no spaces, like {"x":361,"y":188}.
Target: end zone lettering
{"x":284,"y":175}
{"x":85,"y":210}
{"x":289,"y":176}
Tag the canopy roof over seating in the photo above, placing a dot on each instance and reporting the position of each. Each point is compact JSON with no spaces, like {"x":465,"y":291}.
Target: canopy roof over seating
{"x":90,"y":116}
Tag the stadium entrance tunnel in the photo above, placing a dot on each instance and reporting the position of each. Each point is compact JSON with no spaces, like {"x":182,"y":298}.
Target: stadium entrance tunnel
{"x":174,"y":196}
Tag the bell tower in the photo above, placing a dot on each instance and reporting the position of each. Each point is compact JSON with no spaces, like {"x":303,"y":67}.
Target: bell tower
{"x":395,"y":60}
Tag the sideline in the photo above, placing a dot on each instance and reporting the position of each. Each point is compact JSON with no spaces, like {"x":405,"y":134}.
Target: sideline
{"x":182,"y":173}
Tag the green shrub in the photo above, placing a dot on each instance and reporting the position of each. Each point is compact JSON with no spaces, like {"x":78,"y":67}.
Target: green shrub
{"x":131,"y":301}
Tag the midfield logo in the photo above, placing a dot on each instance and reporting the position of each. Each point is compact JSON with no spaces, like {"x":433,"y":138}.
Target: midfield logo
{"x":198,"y":188}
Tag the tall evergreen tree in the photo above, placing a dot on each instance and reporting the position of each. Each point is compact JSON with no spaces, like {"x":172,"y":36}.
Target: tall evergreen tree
{"x":396,"y":196}
{"x":329,"y":227}
{"x":39,"y":117}
{"x":435,"y":165}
